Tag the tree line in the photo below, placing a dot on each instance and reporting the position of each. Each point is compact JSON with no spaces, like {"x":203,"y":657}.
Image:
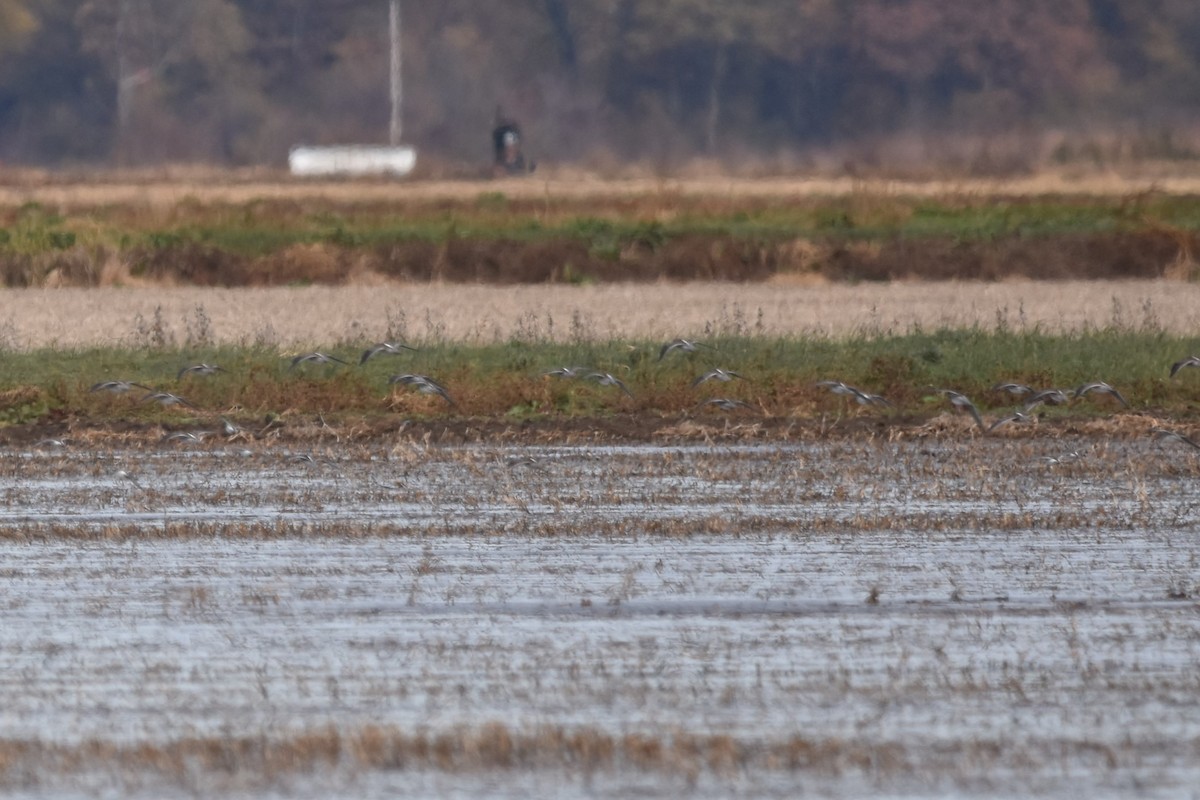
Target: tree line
{"x":137,"y":82}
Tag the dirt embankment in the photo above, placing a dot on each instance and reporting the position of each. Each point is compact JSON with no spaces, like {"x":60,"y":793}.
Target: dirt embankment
{"x":695,"y":257}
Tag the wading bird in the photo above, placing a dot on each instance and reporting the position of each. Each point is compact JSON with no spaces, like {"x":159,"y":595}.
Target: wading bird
{"x":717,"y":374}
{"x":315,"y":358}
{"x":962,"y":403}
{"x":199,"y":369}
{"x":682,"y":345}
{"x":726,"y":403}
{"x":423,"y":384}
{"x":860,"y":397}
{"x":1164,"y":433}
{"x":1016,"y":416}
{"x":1049,"y":397}
{"x":566,"y":372}
{"x":385,"y":348}
{"x":117,"y":387}
{"x":167,"y":399}
{"x":608,"y":379}
{"x":184,"y":437}
{"x":1100,"y":387}
{"x":1015,"y":389}
{"x":1190,"y":361}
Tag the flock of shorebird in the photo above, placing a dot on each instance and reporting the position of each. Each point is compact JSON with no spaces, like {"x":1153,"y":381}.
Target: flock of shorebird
{"x":1030,"y":398}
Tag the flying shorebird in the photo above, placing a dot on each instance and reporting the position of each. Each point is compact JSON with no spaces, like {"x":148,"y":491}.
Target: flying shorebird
{"x":608,"y":379}
{"x":386,"y":348}
{"x":1102,"y":388}
{"x":117,"y":387}
{"x":1016,"y":416}
{"x":683,"y":345}
{"x":717,"y":374}
{"x":167,"y":399}
{"x":423,"y":384}
{"x":963,"y":403}
{"x":726,"y":404}
{"x":184,"y":436}
{"x":566,"y":372}
{"x":1164,"y":433}
{"x":314,"y":358}
{"x":1190,"y":361}
{"x":198,"y":369}
{"x":1015,"y":389}
{"x":1049,"y":397}
{"x":860,"y":397}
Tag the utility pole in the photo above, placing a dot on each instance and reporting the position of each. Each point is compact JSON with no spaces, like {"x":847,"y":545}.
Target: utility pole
{"x":396,"y":86}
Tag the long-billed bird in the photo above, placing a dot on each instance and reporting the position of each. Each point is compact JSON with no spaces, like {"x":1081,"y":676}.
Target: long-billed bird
{"x":717,"y":374}
{"x":423,"y":384}
{"x":1190,"y":361}
{"x":682,"y":345}
{"x":963,"y":403}
{"x":1100,"y":387}
{"x":384,"y":348}
{"x":608,"y":379}
{"x":315,"y":358}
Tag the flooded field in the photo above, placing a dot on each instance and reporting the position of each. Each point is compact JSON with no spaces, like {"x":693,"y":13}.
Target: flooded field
{"x":835,"y":618}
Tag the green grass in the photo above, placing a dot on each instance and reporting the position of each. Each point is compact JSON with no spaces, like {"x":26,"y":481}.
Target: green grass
{"x":263,"y":227}
{"x":505,"y":380}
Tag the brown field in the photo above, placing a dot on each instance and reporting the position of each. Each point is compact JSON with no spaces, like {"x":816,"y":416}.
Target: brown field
{"x":311,"y":316}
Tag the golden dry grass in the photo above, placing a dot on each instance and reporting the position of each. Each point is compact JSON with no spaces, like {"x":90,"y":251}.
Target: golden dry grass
{"x":311,"y":316}
{"x":162,"y":188}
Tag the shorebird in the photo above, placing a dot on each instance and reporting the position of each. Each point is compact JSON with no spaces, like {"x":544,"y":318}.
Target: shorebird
{"x":386,"y":348}
{"x":423,"y":384}
{"x":1049,"y":397}
{"x":962,"y":403}
{"x":1016,"y":416}
{"x":117,"y":387}
{"x":717,"y":374}
{"x":1190,"y":361}
{"x":199,"y":369}
{"x":726,"y":404}
{"x":184,"y":436}
{"x":315,"y":358}
{"x":167,"y":399}
{"x":1015,"y":389}
{"x":683,"y":345}
{"x":860,"y":397}
{"x":566,"y":372}
{"x":608,"y":379}
{"x":1102,"y":388}
{"x":1164,"y":433}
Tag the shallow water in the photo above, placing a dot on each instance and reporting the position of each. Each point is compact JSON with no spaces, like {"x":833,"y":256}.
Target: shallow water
{"x":967,"y":616}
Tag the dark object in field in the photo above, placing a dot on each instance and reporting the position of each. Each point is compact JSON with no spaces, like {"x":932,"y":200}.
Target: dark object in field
{"x":508,"y":156}
{"x":386,"y":348}
{"x":423,"y":384}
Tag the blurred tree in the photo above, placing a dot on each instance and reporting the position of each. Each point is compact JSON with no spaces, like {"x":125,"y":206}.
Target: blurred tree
{"x":178,"y":69}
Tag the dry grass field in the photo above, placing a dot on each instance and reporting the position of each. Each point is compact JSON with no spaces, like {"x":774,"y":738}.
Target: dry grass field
{"x":320,"y":316}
